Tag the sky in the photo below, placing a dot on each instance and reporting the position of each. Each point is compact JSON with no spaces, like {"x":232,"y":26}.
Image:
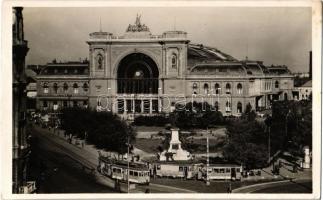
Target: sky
{"x":279,"y":36}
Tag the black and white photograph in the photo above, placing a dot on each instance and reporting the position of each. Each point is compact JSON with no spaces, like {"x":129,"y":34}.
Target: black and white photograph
{"x":145,"y":99}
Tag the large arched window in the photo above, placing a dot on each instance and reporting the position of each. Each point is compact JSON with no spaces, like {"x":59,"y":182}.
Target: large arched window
{"x":239,"y":88}
{"x":75,"y":88}
{"x":45,"y":86}
{"x":65,"y":88}
{"x":228,"y":88}
{"x":174,"y":61}
{"x":228,"y":106}
{"x":206,"y":88}
{"x":217,"y":88}
{"x":239,"y":107}
{"x":55,"y":87}
{"x":276,"y":84}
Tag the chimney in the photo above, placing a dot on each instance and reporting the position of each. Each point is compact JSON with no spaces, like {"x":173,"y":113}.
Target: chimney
{"x":310,"y":70}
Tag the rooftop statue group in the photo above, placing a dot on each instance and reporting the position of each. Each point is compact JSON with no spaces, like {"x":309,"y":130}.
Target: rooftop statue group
{"x":137,"y":27}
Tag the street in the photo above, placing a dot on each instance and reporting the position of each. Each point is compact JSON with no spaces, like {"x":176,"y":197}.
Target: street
{"x":55,"y":172}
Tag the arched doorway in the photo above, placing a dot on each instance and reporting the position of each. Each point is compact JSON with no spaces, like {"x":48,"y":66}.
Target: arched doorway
{"x":137,"y":74}
{"x":285,"y":97}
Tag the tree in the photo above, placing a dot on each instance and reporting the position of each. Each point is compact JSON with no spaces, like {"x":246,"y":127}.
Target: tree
{"x":104,"y":129}
{"x":246,"y":143}
{"x":196,"y":115}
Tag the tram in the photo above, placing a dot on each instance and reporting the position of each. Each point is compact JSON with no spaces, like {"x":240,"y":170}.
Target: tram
{"x":177,"y":169}
{"x":118,"y":170}
{"x":222,"y":172}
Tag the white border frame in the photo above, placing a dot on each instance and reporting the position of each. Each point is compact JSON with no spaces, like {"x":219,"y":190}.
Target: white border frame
{"x":6,"y":93}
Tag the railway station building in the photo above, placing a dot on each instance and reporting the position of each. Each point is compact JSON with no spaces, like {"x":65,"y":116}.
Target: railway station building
{"x":139,"y":73}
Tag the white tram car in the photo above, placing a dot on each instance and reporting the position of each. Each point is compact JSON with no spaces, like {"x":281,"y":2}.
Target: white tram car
{"x":197,"y":170}
{"x":118,"y":170}
{"x":177,"y":169}
{"x":222,"y":172}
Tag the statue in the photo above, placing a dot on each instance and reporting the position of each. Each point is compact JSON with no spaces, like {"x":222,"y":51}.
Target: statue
{"x":137,"y":27}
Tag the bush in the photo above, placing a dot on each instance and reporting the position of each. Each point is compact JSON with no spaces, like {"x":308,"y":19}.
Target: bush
{"x":151,"y":120}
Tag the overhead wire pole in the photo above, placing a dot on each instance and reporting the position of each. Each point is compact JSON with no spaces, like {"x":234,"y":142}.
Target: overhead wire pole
{"x":128,"y":164}
{"x":207,"y":158}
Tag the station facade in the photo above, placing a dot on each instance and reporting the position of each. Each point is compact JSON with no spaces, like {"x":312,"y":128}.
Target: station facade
{"x":144,"y":74}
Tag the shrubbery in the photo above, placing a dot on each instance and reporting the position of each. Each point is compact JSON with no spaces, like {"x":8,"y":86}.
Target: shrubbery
{"x":151,"y":120}
{"x":196,"y":115}
{"x":104,"y":129}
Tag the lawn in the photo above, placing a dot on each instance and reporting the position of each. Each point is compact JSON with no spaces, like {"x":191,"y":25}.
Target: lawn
{"x":148,"y":145}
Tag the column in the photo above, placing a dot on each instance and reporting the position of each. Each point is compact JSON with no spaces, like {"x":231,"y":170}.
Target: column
{"x":133,"y":105}
{"x":124,"y":106}
{"x":150,"y":106}
{"x":142,"y":105}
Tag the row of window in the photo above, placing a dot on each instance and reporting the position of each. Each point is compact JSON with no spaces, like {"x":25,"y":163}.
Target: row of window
{"x":131,"y":172}
{"x":223,"y":170}
{"x":65,"y":104}
{"x":217,"y":88}
{"x":228,"y":106}
{"x":65,"y":88}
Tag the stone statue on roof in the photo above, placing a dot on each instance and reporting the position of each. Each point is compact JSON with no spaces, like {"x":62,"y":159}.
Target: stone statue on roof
{"x":137,"y":27}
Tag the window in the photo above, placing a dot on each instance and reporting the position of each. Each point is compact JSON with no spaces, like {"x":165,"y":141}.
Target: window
{"x":55,"y":105}
{"x":174,"y":61}
{"x":45,"y":104}
{"x":216,"y":170}
{"x":228,"y":88}
{"x":194,"y":88}
{"x":239,"y":88}
{"x":227,"y":170}
{"x":45,"y":88}
{"x":85,"y":87}
{"x":238,"y":169}
{"x":99,"y":102}
{"x":76,"y":88}
{"x":180,"y":169}
{"x":135,"y":173}
{"x":221,"y":170}
{"x":217,"y":88}
{"x":130,"y":173}
{"x":216,"y":106}
{"x":55,"y":88}
{"x":65,"y":88}
{"x":75,"y":104}
{"x":276,"y":84}
{"x":65,"y":104}
{"x":206,"y":88}
{"x":228,"y":106}
{"x":239,"y":107}
{"x":99,"y":61}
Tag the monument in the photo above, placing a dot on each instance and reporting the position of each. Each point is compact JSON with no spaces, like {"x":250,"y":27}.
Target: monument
{"x":175,"y":149}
